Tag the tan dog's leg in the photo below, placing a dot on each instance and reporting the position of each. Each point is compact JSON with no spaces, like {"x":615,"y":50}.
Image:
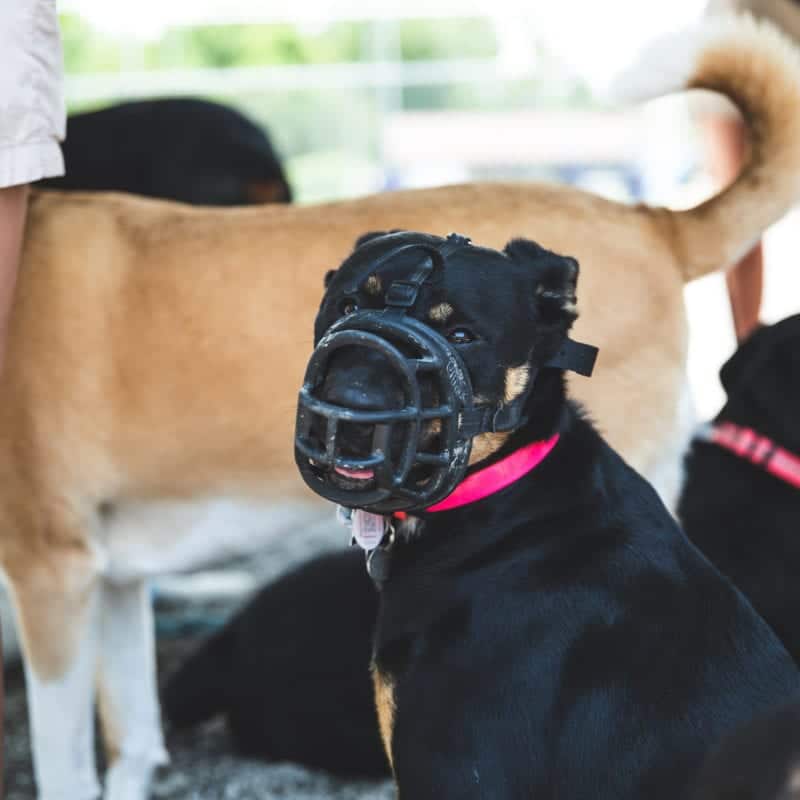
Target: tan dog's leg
{"x":129,"y":709}
{"x":57,"y":607}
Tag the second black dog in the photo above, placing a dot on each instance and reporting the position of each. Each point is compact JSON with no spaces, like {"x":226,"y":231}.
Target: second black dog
{"x":181,"y":149}
{"x":290,"y":672}
{"x":743,"y":517}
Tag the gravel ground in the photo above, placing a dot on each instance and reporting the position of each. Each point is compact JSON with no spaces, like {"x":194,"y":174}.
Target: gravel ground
{"x":203,"y":765}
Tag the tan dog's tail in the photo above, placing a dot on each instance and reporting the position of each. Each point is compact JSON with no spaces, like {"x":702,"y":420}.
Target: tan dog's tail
{"x":758,"y":69}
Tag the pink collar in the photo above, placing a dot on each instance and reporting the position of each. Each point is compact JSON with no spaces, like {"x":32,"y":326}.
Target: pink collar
{"x":759,"y":450}
{"x":492,"y":479}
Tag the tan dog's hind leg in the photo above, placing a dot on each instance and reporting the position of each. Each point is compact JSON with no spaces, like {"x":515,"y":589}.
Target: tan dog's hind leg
{"x":129,"y":708}
{"x":56,"y":599}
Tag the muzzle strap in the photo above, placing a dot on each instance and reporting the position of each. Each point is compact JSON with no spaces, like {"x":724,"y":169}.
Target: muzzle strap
{"x":402,"y":294}
{"x":574,"y":356}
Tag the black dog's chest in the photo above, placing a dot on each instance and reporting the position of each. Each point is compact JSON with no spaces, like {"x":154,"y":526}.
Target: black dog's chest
{"x":600,"y":657}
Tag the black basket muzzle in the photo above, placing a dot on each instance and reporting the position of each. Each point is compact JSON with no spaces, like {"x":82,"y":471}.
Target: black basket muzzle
{"x":406,"y":477}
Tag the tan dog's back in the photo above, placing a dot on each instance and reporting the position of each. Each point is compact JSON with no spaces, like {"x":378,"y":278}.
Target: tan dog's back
{"x":150,"y":333}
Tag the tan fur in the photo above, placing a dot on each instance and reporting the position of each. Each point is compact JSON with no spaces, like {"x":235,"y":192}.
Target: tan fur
{"x":441,"y":312}
{"x":768,"y":99}
{"x":266,"y":191}
{"x":373,"y":285}
{"x":516,"y":381}
{"x":155,"y":350}
{"x":484,"y":445}
{"x":487,"y":443}
{"x":758,"y":68}
{"x":385,"y":704}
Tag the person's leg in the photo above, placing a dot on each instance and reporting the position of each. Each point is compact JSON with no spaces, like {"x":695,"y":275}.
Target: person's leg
{"x":745,"y":288}
{"x":32,"y":122}
{"x":13,"y":203}
{"x":727,"y":153}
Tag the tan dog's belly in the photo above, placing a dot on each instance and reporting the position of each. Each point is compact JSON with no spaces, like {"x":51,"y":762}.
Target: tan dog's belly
{"x":147,"y":539}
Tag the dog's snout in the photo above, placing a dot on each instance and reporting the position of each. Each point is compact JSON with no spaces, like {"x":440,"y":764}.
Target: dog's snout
{"x":362,"y":379}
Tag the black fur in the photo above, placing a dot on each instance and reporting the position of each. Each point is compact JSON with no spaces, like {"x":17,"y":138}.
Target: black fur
{"x":562,"y":638}
{"x":290,"y":672}
{"x":745,"y":520}
{"x":189,"y":150}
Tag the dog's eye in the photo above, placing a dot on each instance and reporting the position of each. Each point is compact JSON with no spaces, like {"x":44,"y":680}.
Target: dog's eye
{"x":348,"y":306}
{"x":460,"y":336}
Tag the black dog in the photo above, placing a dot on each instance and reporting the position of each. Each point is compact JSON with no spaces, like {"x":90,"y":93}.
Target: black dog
{"x":244,"y":672}
{"x":560,"y":637}
{"x":290,"y":672}
{"x":189,"y":150}
{"x":745,"y":519}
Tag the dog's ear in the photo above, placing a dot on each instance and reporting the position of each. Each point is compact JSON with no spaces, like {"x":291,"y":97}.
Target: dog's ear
{"x":556,"y":279}
{"x":329,"y":277}
{"x":743,"y":365}
{"x":753,"y":356}
{"x":762,"y":379}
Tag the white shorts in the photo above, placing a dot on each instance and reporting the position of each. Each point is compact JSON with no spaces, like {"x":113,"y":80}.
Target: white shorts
{"x":32,"y":112}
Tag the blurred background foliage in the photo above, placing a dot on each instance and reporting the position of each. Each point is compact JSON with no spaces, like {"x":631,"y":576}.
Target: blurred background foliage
{"x":87,"y":50}
{"x":330,"y":138}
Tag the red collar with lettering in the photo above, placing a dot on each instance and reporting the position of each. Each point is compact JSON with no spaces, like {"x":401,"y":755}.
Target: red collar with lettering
{"x":755,"y":448}
{"x":495,"y":477}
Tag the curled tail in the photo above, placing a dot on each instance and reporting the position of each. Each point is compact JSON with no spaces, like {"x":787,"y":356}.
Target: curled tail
{"x":200,"y":688}
{"x":758,"y":69}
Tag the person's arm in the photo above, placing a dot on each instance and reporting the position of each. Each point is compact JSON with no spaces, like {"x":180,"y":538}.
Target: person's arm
{"x":727,"y":153}
{"x":13,"y":205}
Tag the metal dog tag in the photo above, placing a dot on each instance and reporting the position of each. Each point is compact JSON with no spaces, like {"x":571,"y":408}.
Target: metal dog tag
{"x":368,"y":529}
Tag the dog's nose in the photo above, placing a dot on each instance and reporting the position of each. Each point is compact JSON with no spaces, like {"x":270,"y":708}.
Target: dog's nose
{"x":363,"y":379}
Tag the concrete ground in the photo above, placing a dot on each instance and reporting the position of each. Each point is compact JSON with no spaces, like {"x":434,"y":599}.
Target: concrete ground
{"x":203,"y":765}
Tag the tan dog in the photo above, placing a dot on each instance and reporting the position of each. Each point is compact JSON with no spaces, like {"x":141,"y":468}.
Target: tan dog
{"x":156,"y":352}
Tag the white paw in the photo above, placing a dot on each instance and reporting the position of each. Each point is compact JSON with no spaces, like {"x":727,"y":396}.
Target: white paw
{"x":129,"y":778}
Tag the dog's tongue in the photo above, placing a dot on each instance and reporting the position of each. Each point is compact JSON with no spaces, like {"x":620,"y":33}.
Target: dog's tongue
{"x":356,"y":474}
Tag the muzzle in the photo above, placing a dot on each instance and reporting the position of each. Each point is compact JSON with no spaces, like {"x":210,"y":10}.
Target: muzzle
{"x":407,"y":475}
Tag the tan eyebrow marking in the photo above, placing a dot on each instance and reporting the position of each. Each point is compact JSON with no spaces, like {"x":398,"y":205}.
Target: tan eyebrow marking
{"x":373,"y":285}
{"x":516,"y":381}
{"x":386,"y":706}
{"x":441,"y":312}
